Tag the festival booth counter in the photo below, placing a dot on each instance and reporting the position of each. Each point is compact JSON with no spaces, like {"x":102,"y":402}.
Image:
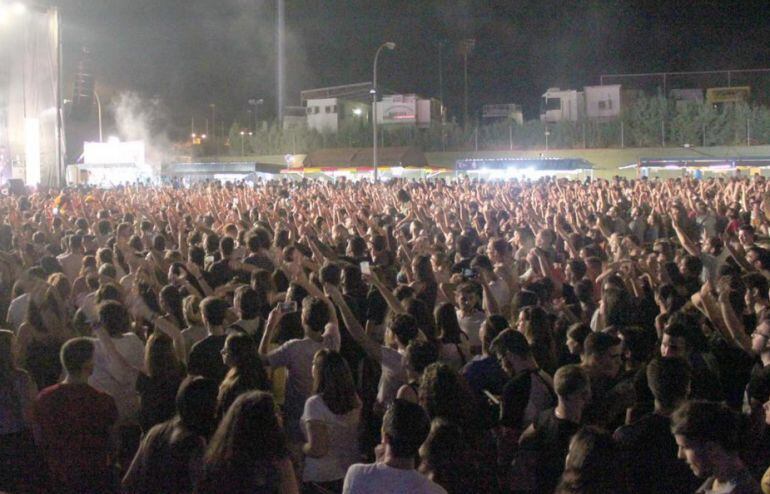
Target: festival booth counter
{"x":357,"y":163}
{"x":525,"y":168}
{"x":700,"y":166}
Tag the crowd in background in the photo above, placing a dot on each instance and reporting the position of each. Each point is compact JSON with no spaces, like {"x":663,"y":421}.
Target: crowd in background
{"x":404,"y":336}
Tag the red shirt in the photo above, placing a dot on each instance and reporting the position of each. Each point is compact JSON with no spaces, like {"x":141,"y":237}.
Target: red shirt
{"x":75,"y":421}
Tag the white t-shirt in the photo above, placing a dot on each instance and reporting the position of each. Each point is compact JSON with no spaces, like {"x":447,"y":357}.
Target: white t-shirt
{"x":471,"y":325}
{"x":70,"y":265}
{"x":193,"y":335}
{"x":343,"y":441}
{"x":393,"y":375}
{"x":17,"y":311}
{"x":449,"y":353}
{"x":379,"y":478}
{"x":500,"y":292}
{"x":116,"y":379}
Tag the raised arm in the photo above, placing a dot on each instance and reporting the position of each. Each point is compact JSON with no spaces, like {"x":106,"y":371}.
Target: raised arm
{"x":272,"y":324}
{"x":734,"y":325}
{"x":370,"y":346}
{"x":387,"y":294}
{"x":690,"y":246}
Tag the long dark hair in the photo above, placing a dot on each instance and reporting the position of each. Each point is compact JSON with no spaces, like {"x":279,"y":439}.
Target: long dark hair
{"x":592,"y":465}
{"x":334,"y":382}
{"x":34,"y":312}
{"x":244,"y":448}
{"x":448,"y":326}
{"x":171,"y":297}
{"x":247,"y":367}
{"x":444,"y":394}
{"x":8,"y":368}
{"x":423,"y":269}
{"x":160,"y":360}
{"x":246,"y":373}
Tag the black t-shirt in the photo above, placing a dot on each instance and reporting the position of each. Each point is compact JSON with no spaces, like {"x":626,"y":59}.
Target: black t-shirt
{"x":206,"y":358}
{"x":220,"y":273}
{"x":260,"y":261}
{"x":523,"y":398}
{"x":157,"y":399}
{"x":552,"y":443}
{"x":650,"y":458}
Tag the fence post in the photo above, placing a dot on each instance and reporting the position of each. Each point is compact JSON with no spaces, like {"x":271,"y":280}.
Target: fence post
{"x":748,"y":131}
{"x":622,"y":136}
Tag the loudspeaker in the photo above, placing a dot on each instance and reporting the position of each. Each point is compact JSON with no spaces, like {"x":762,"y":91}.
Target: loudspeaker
{"x":16,"y":187}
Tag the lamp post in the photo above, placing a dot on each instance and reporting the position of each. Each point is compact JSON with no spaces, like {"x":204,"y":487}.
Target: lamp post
{"x":99,"y":113}
{"x":242,"y":134}
{"x":390,"y":46}
{"x":214,"y":124}
{"x":466,"y":46}
{"x":255,"y":103}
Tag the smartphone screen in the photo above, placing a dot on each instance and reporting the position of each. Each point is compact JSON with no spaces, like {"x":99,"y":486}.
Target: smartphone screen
{"x":288,"y":307}
{"x":365,"y":269}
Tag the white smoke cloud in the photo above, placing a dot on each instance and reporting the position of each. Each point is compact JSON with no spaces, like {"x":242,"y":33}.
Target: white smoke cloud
{"x":143,"y":119}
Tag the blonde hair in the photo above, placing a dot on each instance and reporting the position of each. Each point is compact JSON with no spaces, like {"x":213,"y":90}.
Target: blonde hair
{"x":191,"y":308}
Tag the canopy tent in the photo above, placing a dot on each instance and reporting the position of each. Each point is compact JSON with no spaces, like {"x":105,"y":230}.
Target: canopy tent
{"x":524,"y":167}
{"x":698,"y":165}
{"x":350,"y":161}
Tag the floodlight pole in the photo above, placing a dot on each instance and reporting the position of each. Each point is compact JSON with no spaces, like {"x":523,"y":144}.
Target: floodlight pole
{"x":99,"y":114}
{"x":390,"y":46}
{"x":61,"y":175}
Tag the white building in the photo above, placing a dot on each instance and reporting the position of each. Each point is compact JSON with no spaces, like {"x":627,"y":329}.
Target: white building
{"x":328,"y":109}
{"x":562,"y":105}
{"x":593,"y":102}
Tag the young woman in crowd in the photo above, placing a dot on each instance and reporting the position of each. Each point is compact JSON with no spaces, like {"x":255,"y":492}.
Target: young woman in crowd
{"x":330,"y":423}
{"x":248,"y":452}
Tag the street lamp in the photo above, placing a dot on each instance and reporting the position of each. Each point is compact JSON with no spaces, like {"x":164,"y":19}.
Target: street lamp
{"x":466,"y":46}
{"x":255,"y":103}
{"x":242,"y":151}
{"x":390,"y":46}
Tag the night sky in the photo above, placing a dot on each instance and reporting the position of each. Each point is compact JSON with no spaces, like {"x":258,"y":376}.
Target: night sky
{"x":190,"y":53}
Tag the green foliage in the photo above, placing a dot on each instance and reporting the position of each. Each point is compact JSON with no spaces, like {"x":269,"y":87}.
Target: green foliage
{"x":648,"y":122}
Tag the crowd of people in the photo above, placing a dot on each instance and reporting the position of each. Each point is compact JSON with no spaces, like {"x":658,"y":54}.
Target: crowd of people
{"x":423,"y":336}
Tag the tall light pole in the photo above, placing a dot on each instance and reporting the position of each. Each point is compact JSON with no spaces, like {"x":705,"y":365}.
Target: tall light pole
{"x":214,"y":124}
{"x":242,"y":137}
{"x":390,"y":46}
{"x":99,"y":114}
{"x":441,"y":44}
{"x":466,"y":46}
{"x":280,"y":60}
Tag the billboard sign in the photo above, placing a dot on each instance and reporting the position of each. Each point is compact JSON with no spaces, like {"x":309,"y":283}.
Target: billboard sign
{"x":399,"y":109}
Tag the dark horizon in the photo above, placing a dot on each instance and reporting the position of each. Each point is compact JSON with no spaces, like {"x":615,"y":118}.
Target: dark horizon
{"x":190,"y":54}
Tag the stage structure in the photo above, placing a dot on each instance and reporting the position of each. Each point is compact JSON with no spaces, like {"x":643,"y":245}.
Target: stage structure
{"x":31,"y":129}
